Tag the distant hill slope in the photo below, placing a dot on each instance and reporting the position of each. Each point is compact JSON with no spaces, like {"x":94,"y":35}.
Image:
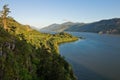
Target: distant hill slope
{"x":110,"y":26}
{"x":60,"y":27}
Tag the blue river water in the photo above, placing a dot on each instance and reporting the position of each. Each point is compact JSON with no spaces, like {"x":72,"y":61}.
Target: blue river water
{"x":97,"y":57}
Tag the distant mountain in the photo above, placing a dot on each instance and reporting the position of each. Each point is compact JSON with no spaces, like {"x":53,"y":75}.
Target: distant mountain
{"x":52,"y":27}
{"x":110,"y":26}
{"x":60,"y":27}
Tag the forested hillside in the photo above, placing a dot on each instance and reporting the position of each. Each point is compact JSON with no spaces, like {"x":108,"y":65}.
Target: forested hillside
{"x":109,"y":26}
{"x":26,"y":54}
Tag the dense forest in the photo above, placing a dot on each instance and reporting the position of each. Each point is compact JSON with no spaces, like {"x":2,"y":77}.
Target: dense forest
{"x":26,"y":54}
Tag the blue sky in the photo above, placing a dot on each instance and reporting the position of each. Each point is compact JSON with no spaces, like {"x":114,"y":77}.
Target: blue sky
{"x":40,"y":13}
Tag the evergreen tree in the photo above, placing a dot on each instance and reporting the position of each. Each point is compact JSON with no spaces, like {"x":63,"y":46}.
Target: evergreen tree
{"x":4,"y":14}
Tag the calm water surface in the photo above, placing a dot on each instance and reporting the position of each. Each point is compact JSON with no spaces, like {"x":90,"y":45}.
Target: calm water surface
{"x":97,"y":57}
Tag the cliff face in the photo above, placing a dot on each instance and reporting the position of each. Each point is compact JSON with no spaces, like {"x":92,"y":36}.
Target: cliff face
{"x":7,"y":45}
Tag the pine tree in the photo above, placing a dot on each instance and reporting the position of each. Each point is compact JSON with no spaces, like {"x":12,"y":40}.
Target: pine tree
{"x":4,"y":14}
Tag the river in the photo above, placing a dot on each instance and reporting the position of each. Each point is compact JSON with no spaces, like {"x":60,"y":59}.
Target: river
{"x":97,"y":57}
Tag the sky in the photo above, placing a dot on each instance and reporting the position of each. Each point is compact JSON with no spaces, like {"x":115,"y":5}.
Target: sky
{"x":41,"y":13}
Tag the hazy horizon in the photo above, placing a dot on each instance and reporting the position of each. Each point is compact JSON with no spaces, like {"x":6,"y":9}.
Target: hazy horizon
{"x":41,"y":13}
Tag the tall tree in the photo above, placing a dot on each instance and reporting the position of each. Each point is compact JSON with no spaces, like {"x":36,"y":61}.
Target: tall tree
{"x":4,"y":14}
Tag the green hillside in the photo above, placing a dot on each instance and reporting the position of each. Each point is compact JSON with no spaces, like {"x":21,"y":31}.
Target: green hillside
{"x":26,"y":54}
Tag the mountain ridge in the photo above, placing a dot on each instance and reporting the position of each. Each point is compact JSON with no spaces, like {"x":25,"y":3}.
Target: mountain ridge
{"x":109,"y":26}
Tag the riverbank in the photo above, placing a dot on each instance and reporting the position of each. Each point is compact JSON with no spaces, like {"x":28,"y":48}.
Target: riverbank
{"x":59,"y":38}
